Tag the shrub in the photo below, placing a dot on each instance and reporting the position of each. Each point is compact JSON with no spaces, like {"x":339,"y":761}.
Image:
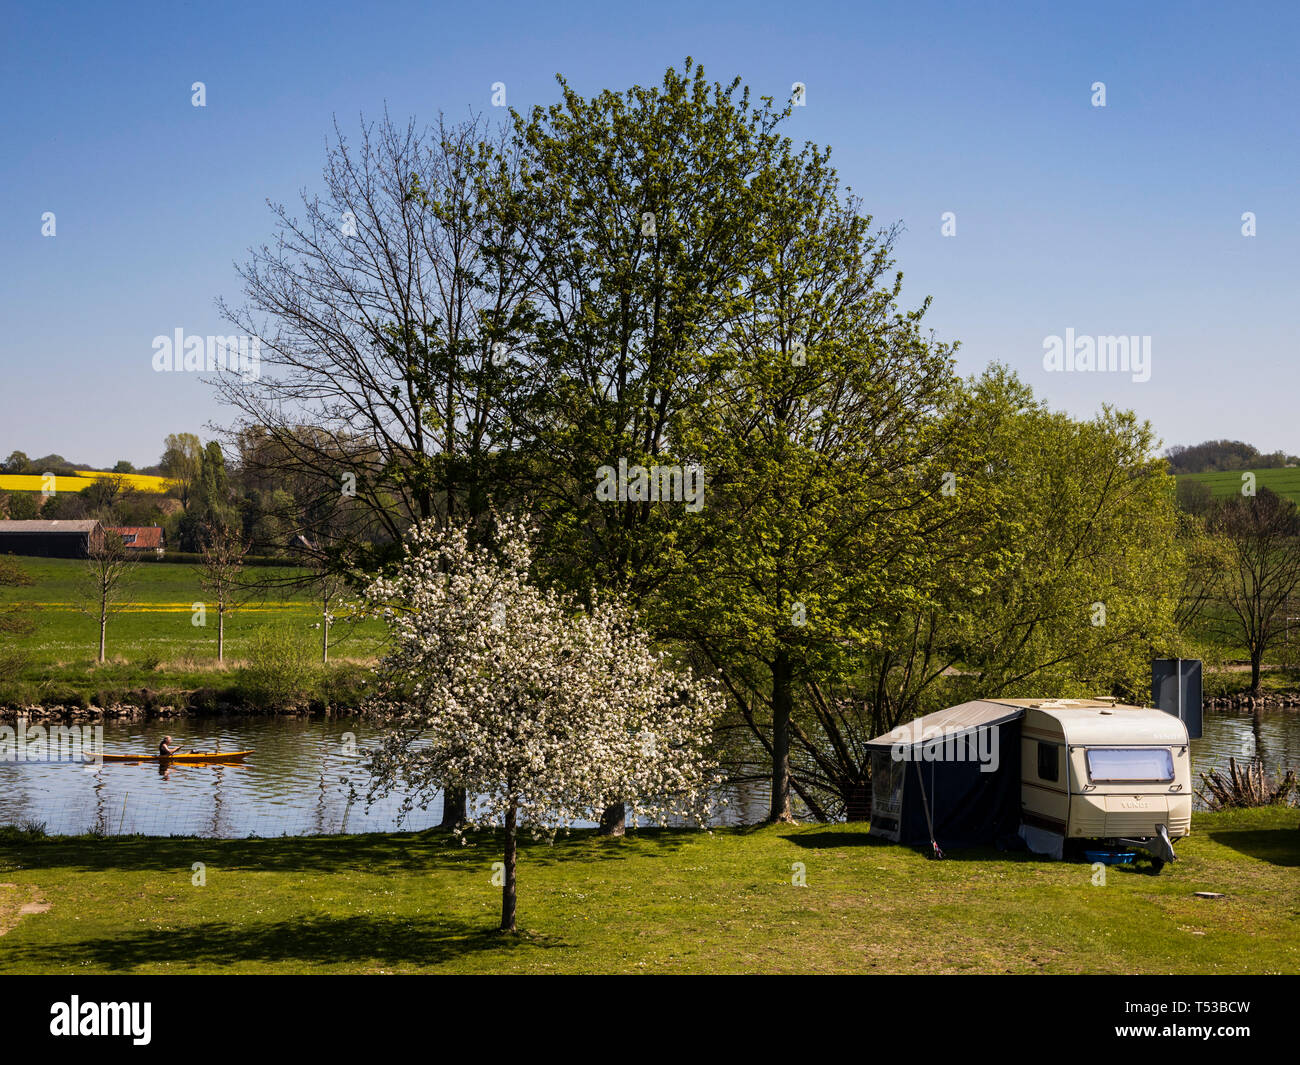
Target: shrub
{"x":27,"y":832}
{"x":65,"y":697}
{"x":280,"y":671}
{"x":345,"y":686}
{"x":14,"y":660}
{"x":24,"y":506}
{"x":204,"y":700}
{"x":18,"y":693}
{"x":1246,"y":786}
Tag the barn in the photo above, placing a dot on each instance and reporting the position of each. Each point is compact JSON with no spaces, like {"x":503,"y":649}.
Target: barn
{"x":50,"y":539}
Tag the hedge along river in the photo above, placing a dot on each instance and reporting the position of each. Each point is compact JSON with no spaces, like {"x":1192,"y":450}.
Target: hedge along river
{"x":292,"y":784}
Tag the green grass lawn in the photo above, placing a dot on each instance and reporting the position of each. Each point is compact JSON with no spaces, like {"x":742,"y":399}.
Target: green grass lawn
{"x":153,"y":641}
{"x":664,"y":901}
{"x":1285,"y":482}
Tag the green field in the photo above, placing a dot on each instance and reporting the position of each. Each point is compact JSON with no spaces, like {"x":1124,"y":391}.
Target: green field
{"x":1285,"y":482}
{"x":659,"y":901}
{"x":153,"y":641}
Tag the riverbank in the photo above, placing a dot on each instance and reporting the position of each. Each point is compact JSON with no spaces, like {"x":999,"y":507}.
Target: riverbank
{"x":657,"y":901}
{"x":339,"y":690}
{"x":152,"y":706}
{"x":1245,"y":701}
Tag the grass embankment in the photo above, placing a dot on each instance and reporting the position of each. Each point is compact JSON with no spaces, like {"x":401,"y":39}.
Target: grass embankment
{"x":152,"y":641}
{"x":664,"y":901}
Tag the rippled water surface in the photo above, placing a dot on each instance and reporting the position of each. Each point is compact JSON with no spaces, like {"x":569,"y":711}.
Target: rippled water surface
{"x":292,"y":783}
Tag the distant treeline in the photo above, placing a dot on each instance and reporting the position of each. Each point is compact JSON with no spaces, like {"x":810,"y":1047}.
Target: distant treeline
{"x":1216,"y":455}
{"x":19,"y":463}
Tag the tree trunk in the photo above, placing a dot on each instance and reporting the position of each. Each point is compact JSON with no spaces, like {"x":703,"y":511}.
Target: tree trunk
{"x":103,"y":624}
{"x":1256,"y":654}
{"x":613,"y":822}
{"x":325,"y":633}
{"x":782,"y":704}
{"x":221,"y":633}
{"x":508,"y":884}
{"x":453,"y":807}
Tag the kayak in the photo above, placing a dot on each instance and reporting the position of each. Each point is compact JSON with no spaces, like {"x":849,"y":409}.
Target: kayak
{"x":188,"y":756}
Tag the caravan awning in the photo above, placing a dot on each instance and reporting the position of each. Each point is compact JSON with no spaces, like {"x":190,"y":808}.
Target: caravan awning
{"x":952,"y":721}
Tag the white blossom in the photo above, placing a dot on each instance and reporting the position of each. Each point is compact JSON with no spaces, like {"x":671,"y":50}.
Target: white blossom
{"x":524,"y":698}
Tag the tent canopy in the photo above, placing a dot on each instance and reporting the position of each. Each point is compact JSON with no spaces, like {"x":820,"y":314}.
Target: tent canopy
{"x":921,"y":778}
{"x":953,"y":720}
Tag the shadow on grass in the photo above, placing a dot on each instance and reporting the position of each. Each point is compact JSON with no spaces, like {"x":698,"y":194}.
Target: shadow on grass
{"x":992,"y":854}
{"x":842,"y":838}
{"x":376,"y":852}
{"x":382,"y":941}
{"x":1141,"y":867}
{"x":821,"y":840}
{"x":1277,"y":846}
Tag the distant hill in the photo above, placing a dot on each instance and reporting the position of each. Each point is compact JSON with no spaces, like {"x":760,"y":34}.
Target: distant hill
{"x":1215,"y":456}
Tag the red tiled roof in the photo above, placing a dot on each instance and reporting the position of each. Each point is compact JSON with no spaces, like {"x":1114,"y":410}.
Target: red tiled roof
{"x":144,"y":537}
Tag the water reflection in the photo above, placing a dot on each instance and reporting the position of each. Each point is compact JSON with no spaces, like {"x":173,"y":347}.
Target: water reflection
{"x":293,"y":785}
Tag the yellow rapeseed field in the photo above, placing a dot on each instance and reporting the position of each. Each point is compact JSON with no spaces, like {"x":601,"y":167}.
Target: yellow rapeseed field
{"x":35,"y":482}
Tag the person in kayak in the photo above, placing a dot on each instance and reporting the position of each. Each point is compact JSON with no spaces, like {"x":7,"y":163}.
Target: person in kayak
{"x":164,"y":748}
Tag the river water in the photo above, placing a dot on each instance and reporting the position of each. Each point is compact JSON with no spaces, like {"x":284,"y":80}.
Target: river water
{"x":291,"y":785}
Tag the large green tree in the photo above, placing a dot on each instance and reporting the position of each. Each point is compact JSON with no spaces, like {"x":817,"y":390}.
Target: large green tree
{"x":638,"y":213}
{"x":821,"y":458}
{"x":1050,"y":565}
{"x":182,"y":461}
{"x":641,"y":215}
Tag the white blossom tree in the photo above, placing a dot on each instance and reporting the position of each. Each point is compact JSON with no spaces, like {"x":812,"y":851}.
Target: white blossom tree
{"x":543,"y":711}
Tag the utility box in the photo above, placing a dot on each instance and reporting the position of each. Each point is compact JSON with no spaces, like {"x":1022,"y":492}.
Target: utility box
{"x":1176,"y":689}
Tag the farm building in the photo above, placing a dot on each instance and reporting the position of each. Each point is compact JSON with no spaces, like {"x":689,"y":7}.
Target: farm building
{"x":139,"y":539}
{"x":50,"y":539}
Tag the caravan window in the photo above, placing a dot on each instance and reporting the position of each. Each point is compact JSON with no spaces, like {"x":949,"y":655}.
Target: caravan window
{"x":1153,"y":765}
{"x":1049,"y":762}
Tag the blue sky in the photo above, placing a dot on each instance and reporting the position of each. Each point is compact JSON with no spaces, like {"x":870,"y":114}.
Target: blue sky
{"x":1122,"y":220}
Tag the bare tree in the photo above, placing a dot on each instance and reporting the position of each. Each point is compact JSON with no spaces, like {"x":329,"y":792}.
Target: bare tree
{"x":221,"y":564}
{"x":107,"y":572}
{"x":1262,"y":537}
{"x":385,"y":317}
{"x":328,"y":585}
